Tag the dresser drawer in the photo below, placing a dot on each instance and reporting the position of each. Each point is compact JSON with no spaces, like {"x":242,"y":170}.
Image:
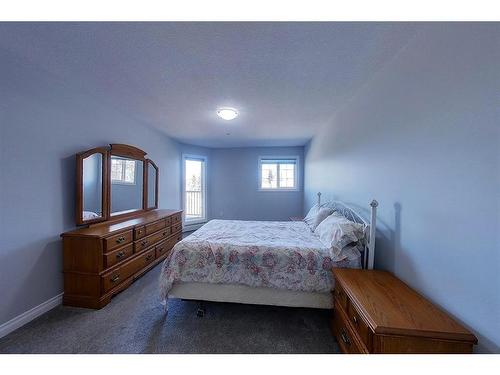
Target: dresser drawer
{"x":118,"y":255}
{"x":168,"y":221}
{"x":156,"y":226}
{"x":118,"y":240}
{"x":151,"y":240}
{"x":139,"y":232}
{"x":114,"y":278}
{"x":161,"y":249}
{"x":177,"y":227}
{"x":345,"y":337}
{"x":177,"y":218}
{"x":144,"y":259}
{"x":359,"y":325}
{"x":339,"y":295}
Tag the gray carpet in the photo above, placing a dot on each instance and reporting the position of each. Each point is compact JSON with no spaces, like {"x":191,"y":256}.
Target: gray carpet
{"x":134,"y":322}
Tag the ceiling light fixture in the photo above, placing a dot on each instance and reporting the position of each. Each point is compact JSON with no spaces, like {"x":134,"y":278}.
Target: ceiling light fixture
{"x":227,"y":113}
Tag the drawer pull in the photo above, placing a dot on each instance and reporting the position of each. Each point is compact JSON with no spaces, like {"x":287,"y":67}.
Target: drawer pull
{"x":120,"y":239}
{"x":144,"y":243}
{"x":160,"y":249}
{"x":149,"y":257}
{"x":355,"y":319}
{"x":120,"y":255}
{"x":139,"y":231}
{"x":165,"y":233}
{"x":344,"y":336}
{"x":115,"y":278}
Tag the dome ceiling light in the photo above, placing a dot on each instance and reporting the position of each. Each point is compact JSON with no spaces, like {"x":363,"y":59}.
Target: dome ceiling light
{"x":227,"y":113}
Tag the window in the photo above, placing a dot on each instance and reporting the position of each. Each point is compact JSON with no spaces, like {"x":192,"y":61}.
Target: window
{"x":194,"y":189}
{"x":278,"y":173}
{"x":122,"y":171}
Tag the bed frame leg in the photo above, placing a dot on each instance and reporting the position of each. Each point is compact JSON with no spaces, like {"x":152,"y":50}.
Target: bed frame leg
{"x":201,"y":309}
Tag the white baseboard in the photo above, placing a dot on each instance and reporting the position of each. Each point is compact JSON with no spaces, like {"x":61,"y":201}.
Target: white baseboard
{"x":29,"y":315}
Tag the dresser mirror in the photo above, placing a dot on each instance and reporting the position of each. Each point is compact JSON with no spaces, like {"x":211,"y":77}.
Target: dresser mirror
{"x":152,"y":201}
{"x":114,"y":182}
{"x":127,"y":184}
{"x":91,"y":192}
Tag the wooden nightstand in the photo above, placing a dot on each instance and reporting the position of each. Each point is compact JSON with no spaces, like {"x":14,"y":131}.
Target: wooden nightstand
{"x":375,"y":312}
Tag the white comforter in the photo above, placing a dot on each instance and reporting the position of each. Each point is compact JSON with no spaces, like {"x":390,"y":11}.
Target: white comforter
{"x":285,"y":255}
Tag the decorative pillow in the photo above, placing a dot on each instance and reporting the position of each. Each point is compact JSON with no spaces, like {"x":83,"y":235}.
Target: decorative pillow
{"x":337,"y":232}
{"x":311,"y":215}
{"x":322,"y":214}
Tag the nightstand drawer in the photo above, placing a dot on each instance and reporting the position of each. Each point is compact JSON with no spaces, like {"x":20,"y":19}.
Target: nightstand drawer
{"x":345,"y":337}
{"x":340,"y":296}
{"x":359,"y":325}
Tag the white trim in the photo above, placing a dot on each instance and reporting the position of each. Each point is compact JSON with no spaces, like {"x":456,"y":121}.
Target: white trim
{"x":29,"y":315}
{"x":204,"y":188}
{"x":297,"y":172}
{"x":373,"y":234}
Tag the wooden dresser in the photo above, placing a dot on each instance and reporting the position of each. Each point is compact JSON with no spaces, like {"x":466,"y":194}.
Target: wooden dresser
{"x":102,"y":260}
{"x":375,"y":312}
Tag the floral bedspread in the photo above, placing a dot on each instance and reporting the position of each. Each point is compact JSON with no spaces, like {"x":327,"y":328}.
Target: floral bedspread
{"x":285,"y":255}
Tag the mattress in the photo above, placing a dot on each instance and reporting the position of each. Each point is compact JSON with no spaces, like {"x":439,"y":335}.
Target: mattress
{"x":268,"y":254}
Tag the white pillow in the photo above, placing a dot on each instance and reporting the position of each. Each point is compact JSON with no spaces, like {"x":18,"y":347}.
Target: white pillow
{"x":337,"y":232}
{"x":322,"y":214}
{"x":311,"y":215}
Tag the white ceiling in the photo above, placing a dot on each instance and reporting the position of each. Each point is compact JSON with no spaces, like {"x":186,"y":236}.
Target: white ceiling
{"x":286,"y":79}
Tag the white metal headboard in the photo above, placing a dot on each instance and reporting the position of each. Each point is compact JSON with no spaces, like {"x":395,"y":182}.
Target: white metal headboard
{"x":370,"y":227}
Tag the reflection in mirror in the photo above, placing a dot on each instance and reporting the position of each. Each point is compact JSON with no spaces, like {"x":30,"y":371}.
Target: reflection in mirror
{"x":151,"y":185}
{"x":126,"y":184}
{"x":92,"y":187}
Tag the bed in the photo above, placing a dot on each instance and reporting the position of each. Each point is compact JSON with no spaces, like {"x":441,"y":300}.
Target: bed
{"x":279,"y":263}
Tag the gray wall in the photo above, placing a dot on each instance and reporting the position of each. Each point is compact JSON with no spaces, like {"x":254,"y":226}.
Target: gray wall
{"x":423,"y":138}
{"x":44,"y":121}
{"x":234,"y":186}
{"x":232,"y":183}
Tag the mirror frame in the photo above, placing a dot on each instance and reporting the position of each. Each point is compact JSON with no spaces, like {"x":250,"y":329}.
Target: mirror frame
{"x":122,"y":150}
{"x":79,"y":185}
{"x":150,"y":163}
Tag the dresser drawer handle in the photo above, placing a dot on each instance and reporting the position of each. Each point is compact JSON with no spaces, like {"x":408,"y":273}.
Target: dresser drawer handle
{"x":160,"y":249}
{"x":344,"y":336}
{"x":149,"y":257}
{"x":115,"y":278}
{"x":120,"y":239}
{"x":355,"y":319}
{"x":139,"y":231}
{"x":165,"y":233}
{"x":144,"y":243}
{"x":120,"y":255}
